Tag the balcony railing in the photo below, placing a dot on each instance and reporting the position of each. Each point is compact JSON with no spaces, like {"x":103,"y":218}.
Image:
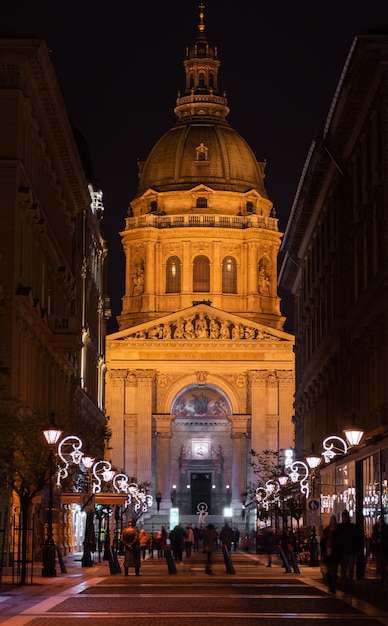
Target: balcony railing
{"x":202,"y":221}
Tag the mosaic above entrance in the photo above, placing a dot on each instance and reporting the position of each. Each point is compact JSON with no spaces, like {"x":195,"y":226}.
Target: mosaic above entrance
{"x":201,"y":402}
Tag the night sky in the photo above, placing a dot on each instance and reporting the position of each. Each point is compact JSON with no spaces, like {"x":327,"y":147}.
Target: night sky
{"x":119,"y":65}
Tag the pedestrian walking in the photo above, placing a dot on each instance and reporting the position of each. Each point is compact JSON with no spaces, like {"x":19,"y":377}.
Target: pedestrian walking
{"x":130,"y":539}
{"x":177,"y":538}
{"x":379,"y":543}
{"x":151,"y":544}
{"x":210,"y":538}
{"x":236,"y":538}
{"x":197,"y":538}
{"x":143,"y":541}
{"x":269,"y":543}
{"x":226,"y":536}
{"x":330,"y":553}
{"x":189,"y":540}
{"x":350,"y":540}
{"x":160,"y":543}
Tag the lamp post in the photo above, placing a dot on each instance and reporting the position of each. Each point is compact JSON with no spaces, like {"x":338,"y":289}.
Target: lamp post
{"x":173,"y":495}
{"x":51,"y":434}
{"x":86,"y":560}
{"x":282,"y":480}
{"x":313,"y":461}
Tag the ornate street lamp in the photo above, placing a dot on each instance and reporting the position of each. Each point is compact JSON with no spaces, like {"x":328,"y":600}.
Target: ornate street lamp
{"x":283,"y":480}
{"x":313,"y":461}
{"x":52,"y":435}
{"x":353,"y":434}
{"x":173,"y":495}
{"x":88,"y":462}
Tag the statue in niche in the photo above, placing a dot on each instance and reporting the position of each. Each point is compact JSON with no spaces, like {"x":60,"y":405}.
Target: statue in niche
{"x":264,"y":281}
{"x":217,"y":452}
{"x":184,"y":452}
{"x":138,"y":280}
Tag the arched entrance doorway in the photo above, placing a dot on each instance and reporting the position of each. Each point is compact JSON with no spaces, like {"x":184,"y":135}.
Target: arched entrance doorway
{"x":201,"y":450}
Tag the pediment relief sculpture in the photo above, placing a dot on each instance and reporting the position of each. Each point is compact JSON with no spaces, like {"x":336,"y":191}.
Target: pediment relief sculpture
{"x":203,"y":326}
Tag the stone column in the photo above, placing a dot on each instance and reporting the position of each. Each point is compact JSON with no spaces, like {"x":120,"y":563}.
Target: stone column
{"x":150,"y":270}
{"x":144,"y":427}
{"x":216,"y":288}
{"x":252,"y":269}
{"x":163,"y":458}
{"x":236,"y":470}
{"x":115,"y":403}
{"x":260,"y":410}
{"x":186,"y":277}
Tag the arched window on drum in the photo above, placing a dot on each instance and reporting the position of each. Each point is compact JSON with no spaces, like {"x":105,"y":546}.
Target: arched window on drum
{"x":229,"y":275}
{"x":173,"y":275}
{"x":201,"y":274}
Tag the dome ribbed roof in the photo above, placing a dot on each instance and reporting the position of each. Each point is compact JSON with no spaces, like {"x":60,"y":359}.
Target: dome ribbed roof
{"x":173,"y":164}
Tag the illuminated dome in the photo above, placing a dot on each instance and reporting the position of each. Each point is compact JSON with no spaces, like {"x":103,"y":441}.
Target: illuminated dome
{"x":227,"y":164}
{"x":201,"y":148}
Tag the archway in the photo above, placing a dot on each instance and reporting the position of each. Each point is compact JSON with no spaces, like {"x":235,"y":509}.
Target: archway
{"x":201,"y":449}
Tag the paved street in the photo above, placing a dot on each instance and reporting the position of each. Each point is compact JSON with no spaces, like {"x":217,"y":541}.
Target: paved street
{"x":253,"y":595}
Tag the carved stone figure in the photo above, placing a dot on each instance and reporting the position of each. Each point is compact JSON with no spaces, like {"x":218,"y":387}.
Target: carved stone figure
{"x":166,"y":331}
{"x":138,"y":280}
{"x":237,"y":331}
{"x":180,"y":330}
{"x":189,"y":329}
{"x":224,"y":330}
{"x":201,"y":327}
{"x":214,"y":328}
{"x":155,"y":333}
{"x":249,"y":333}
{"x":263,"y":282}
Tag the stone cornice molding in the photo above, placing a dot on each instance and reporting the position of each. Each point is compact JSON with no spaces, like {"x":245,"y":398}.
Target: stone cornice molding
{"x":117,"y":375}
{"x":271,"y":378}
{"x":239,"y":425}
{"x":237,"y":435}
{"x":163,"y":423}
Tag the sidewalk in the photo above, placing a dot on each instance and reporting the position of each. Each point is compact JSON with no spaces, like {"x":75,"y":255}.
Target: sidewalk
{"x":246,"y":564}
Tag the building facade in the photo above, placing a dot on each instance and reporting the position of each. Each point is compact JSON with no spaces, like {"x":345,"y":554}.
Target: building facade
{"x":334,"y":261}
{"x":52,"y":255}
{"x":200,"y":371}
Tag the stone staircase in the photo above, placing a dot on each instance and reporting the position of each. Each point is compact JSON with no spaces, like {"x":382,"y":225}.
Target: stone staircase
{"x":156,"y":521}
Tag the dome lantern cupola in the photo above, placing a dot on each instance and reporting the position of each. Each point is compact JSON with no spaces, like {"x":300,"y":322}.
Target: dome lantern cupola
{"x":201,"y":67}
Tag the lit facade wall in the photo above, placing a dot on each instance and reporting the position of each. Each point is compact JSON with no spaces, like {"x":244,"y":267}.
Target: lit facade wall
{"x":52,"y":266}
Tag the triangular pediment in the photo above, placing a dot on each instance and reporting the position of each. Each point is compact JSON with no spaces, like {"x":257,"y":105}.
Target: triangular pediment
{"x":201,"y":322}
